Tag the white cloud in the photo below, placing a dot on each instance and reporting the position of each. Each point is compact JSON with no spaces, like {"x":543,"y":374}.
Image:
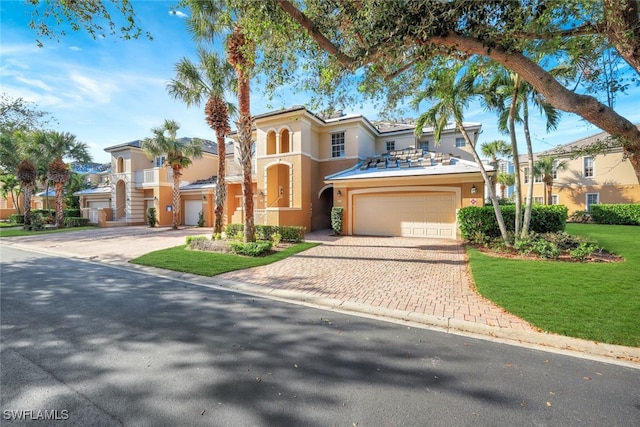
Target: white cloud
{"x":75,"y":48}
{"x":178,"y":13}
{"x":98,"y":90}
{"x":34,"y":82}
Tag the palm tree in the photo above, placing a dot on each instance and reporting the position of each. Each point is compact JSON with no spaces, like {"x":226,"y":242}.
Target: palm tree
{"x":208,"y":19}
{"x":27,"y":175}
{"x":451,"y":96}
{"x":208,"y":81}
{"x":505,"y":180}
{"x":11,"y":186}
{"x":496,"y":151}
{"x":178,"y":156}
{"x":49,"y":147}
{"x":58,"y":173}
{"x":507,"y":94}
{"x":547,"y":167}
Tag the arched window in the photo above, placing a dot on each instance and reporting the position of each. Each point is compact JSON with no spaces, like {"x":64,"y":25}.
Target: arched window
{"x":271,"y":143}
{"x":120,"y":166}
{"x":285,"y":144}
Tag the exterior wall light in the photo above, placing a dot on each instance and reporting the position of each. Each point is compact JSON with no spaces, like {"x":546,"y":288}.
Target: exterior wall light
{"x":339,"y":193}
{"x":474,"y":189}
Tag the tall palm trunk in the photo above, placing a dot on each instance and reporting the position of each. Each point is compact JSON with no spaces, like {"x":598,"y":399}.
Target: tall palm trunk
{"x":487,"y":179}
{"x":237,"y":49}
{"x":176,"y":198}
{"x":516,"y":160}
{"x":529,"y":199}
{"x":28,"y":189}
{"x":221,"y":184}
{"x":59,"y":211}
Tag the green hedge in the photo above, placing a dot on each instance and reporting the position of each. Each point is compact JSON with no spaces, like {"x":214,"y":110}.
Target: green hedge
{"x":76,"y":222}
{"x":292,"y":234}
{"x":336,"y":219}
{"x":475,"y":220}
{"x":616,"y":214}
{"x":16,"y":219}
{"x":44,"y":212}
{"x":72,"y":213}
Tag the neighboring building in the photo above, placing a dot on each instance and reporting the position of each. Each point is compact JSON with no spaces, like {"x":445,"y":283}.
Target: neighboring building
{"x":304,"y":164}
{"x":586,"y":179}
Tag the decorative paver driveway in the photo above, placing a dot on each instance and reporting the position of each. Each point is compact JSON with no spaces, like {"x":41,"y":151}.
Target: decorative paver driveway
{"x":423,"y":276}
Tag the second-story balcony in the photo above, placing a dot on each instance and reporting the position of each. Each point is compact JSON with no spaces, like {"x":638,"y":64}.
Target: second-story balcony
{"x":152,"y":177}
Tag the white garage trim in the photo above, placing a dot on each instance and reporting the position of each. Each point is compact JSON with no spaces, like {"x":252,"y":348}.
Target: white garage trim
{"x":448,"y":231}
{"x":192,"y":210}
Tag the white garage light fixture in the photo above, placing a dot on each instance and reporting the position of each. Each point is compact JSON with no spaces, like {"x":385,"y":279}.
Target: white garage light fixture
{"x":474,"y":189}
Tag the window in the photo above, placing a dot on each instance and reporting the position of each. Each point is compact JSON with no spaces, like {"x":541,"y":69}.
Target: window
{"x":391,"y":145}
{"x":337,"y":144}
{"x":159,"y":162}
{"x":460,"y":142}
{"x":526,"y":175}
{"x":120,"y":166}
{"x":424,"y":146}
{"x":538,"y":200}
{"x":554,"y":199}
{"x":592,"y":199}
{"x":554,"y":170}
{"x":537,"y":178}
{"x":588,"y":167}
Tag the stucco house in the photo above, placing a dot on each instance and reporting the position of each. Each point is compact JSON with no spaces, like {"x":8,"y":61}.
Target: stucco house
{"x":586,"y":179}
{"x":388,"y":180}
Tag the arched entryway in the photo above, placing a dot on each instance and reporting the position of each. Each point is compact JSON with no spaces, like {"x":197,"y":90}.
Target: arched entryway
{"x":121,"y":200}
{"x":321,"y":217}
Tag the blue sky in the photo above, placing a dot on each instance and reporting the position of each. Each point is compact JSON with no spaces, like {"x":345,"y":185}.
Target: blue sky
{"x":109,"y":91}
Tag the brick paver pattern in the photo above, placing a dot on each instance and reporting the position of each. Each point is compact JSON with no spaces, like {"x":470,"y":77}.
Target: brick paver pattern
{"x":425,"y":276}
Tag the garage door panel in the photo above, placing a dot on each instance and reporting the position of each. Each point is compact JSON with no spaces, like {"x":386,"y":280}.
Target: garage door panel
{"x":192,"y":210}
{"x":415,"y":215}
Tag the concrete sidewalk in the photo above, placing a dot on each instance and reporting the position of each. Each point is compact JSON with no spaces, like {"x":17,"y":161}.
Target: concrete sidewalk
{"x":417,"y":281}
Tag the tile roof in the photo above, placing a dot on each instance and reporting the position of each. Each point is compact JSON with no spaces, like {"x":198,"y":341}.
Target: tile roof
{"x":201,"y":183}
{"x":207,"y":146}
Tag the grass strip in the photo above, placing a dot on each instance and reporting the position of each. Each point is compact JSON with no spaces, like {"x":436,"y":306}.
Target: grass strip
{"x":212,"y":263}
{"x":20,"y":232}
{"x":593,"y":301}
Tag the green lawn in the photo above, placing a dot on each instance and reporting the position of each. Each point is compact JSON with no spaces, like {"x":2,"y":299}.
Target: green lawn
{"x":594,"y":301}
{"x":12,"y":232}
{"x":9,"y":224}
{"x":211,"y":263}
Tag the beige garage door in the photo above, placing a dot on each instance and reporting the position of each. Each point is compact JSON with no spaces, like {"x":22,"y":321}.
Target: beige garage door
{"x":407,"y":215}
{"x":192,"y":210}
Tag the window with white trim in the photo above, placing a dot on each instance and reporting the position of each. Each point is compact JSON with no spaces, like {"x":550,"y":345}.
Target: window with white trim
{"x":537,"y":179}
{"x":391,"y":145}
{"x":588,"y":167}
{"x":554,"y":199}
{"x":159,"y":161}
{"x":526,"y":175}
{"x":538,"y":200}
{"x":592,"y":199}
{"x":337,"y":144}
{"x":424,"y":146}
{"x":460,"y":142}
{"x":554,"y":170}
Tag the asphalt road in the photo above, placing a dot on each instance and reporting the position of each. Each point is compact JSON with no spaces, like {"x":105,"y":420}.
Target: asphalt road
{"x":97,"y":345}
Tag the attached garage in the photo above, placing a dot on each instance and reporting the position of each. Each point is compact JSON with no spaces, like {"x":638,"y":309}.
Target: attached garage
{"x":405,"y":214}
{"x":99,"y":204}
{"x":192,"y":210}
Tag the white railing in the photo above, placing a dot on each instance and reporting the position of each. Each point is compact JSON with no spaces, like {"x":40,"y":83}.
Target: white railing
{"x":153,"y":176}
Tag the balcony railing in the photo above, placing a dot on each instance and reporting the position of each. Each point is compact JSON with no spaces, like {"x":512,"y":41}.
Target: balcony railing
{"x":153,"y":176}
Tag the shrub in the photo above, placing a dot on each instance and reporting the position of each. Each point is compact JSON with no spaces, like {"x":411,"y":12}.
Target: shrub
{"x":624,"y":214}
{"x":151,"y":217}
{"x":583,"y":251}
{"x":201,"y":243}
{"x":200,"y":219}
{"x":545,"y":248}
{"x":72,"y":213}
{"x":544,"y":218}
{"x":336,"y":220}
{"x":76,"y":222}
{"x":191,"y":239}
{"x":253,"y":249}
{"x":16,"y":219}
{"x":288,"y":233}
{"x":276,"y":238}
{"x":38,"y":221}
